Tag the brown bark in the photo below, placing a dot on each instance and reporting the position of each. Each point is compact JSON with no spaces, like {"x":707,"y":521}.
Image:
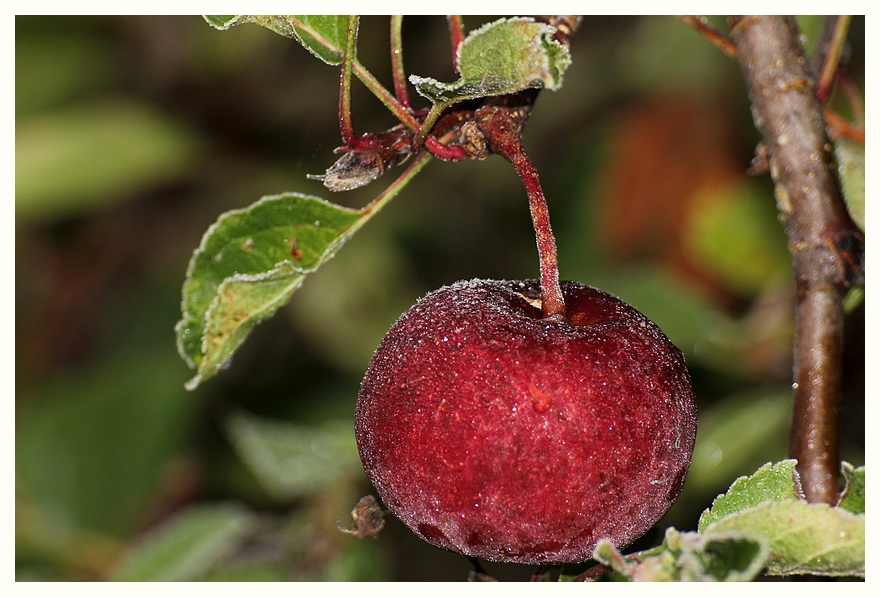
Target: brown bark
{"x":826,"y":246}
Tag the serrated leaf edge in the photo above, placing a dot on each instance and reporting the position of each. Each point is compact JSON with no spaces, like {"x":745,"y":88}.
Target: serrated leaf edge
{"x":552,"y":48}
{"x":739,"y":481}
{"x":297,"y":275}
{"x":187,"y":316}
{"x":848,"y":471}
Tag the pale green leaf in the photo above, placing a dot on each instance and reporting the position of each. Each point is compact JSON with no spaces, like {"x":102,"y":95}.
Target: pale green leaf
{"x":242,"y":301}
{"x":855,"y":296}
{"x":322,"y":35}
{"x":248,"y":264}
{"x":291,"y":460}
{"x":732,"y":233}
{"x":770,"y":482}
{"x":85,"y":156}
{"x":732,"y":556}
{"x":854,"y":490}
{"x":501,"y":57}
{"x":803,"y":538}
{"x":187,"y":546}
{"x":850,"y":157}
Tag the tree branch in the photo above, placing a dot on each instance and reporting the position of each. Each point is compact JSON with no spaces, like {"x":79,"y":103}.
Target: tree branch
{"x":826,"y":246}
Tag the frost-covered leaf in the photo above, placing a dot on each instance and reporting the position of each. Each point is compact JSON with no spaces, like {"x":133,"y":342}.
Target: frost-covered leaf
{"x":322,"y":35}
{"x":854,"y":490}
{"x":291,"y":460}
{"x":770,"y":482}
{"x":850,"y":157}
{"x":501,"y":57}
{"x":803,"y":538}
{"x":248,"y":264}
{"x":187,"y":546}
{"x":221,"y":22}
{"x":731,"y":556}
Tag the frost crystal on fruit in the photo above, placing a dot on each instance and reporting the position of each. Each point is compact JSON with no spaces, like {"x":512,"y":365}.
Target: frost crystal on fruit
{"x":495,"y":433}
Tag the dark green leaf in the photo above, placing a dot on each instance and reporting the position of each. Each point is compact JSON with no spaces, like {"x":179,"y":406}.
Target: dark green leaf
{"x":94,"y":447}
{"x":322,"y":35}
{"x":731,"y":556}
{"x":854,"y":491}
{"x":247,"y":266}
{"x":771,"y":482}
{"x":187,"y":546}
{"x":501,"y":57}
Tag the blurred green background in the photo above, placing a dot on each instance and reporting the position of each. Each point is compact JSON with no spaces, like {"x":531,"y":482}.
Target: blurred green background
{"x":134,"y":133}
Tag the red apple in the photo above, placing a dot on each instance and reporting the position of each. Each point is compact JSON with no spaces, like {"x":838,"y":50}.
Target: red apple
{"x":494,"y":433}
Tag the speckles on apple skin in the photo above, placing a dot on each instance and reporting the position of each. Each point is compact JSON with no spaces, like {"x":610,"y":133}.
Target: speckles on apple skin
{"x":497,"y":434}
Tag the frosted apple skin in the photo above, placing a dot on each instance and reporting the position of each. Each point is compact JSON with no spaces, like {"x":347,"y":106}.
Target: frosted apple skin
{"x":500,"y":435}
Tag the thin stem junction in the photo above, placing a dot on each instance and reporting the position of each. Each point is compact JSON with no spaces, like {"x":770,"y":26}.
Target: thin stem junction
{"x":501,"y":123}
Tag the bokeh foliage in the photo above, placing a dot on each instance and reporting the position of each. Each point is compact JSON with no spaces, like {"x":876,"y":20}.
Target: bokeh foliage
{"x":134,"y":133}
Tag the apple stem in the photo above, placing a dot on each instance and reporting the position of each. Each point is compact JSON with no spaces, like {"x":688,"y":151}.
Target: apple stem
{"x":552,"y":302}
{"x":397,"y":72}
{"x":456,"y":35}
{"x":501,"y":121}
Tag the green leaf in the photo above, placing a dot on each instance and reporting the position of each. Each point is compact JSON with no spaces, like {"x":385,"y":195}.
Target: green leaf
{"x":85,"y":156}
{"x":221,"y":22}
{"x":739,"y":434}
{"x":292,"y":460}
{"x":501,"y":57}
{"x":733,"y":234}
{"x":322,"y":35}
{"x":803,"y":538}
{"x":850,"y":157}
{"x":770,"y":482}
{"x":855,"y":296}
{"x":854,"y":491}
{"x":93,"y":447}
{"x":733,"y":556}
{"x":187,"y":546}
{"x":248,"y":265}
